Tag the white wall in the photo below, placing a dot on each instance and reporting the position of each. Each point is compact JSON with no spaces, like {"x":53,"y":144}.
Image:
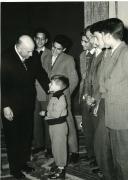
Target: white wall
{"x":119,"y":9}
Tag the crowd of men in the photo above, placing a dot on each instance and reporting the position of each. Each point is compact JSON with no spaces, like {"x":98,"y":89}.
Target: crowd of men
{"x":27,"y":69}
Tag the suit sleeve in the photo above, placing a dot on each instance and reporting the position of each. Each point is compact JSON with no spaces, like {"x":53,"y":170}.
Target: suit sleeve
{"x":125,"y":63}
{"x":42,"y":77}
{"x":72,"y":74}
{"x":5,"y":82}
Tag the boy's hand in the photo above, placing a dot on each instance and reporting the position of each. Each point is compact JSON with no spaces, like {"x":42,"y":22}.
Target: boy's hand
{"x":42,"y":113}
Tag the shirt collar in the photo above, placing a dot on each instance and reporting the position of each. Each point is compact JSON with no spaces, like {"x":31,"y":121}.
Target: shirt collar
{"x":98,"y":51}
{"x":92,"y":51}
{"x":42,"y":49}
{"x":112,"y":51}
{"x":21,"y":58}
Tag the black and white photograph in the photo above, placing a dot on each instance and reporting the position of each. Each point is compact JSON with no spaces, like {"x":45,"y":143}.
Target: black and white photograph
{"x":64,"y":90}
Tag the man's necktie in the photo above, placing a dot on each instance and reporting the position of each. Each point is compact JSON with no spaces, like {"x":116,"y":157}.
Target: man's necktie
{"x":40,"y":53}
{"x":24,"y":63}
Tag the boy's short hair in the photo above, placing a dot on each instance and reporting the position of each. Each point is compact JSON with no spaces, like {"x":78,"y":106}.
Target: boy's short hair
{"x":61,"y":80}
{"x":115,"y":27}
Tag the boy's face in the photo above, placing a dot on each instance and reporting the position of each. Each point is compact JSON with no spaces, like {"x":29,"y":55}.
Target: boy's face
{"x":53,"y":87}
{"x":98,"y":40}
{"x":107,"y":39}
{"x":40,"y":40}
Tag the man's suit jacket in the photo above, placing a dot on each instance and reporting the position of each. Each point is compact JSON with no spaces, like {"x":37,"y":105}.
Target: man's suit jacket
{"x":64,"y":65}
{"x":18,"y":85}
{"x":41,"y":95}
{"x":85,"y":65}
{"x":114,"y":87}
{"x":94,"y":76}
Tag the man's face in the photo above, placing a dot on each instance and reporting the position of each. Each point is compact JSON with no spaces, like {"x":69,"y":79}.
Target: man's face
{"x":98,"y":40}
{"x":57,"y":49}
{"x":89,"y":34}
{"x":26,"y":51}
{"x":106,"y":39}
{"x":85,"y":43}
{"x":40,"y":40}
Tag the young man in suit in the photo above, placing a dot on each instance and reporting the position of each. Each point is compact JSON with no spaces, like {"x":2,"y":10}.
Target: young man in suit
{"x":63,"y":64}
{"x":41,"y":139}
{"x":86,"y":58}
{"x":114,"y":88}
{"x":18,"y":100}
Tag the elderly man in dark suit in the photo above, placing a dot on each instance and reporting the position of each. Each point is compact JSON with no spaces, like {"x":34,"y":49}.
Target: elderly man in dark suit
{"x":18,"y":99}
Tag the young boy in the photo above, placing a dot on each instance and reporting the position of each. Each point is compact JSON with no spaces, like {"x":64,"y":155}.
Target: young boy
{"x":56,"y":118}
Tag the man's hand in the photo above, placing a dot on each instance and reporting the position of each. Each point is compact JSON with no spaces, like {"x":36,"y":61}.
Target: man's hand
{"x":8,"y":113}
{"x":90,"y":101}
{"x":42,"y":113}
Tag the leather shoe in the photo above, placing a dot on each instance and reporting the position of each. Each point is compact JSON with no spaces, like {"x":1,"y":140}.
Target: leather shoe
{"x":18,"y":175}
{"x":28,"y":169}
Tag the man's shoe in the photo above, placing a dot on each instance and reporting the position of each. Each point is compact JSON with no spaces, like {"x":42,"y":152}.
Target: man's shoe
{"x":48,"y":153}
{"x":28,"y":169}
{"x":58,"y":174}
{"x":37,"y":150}
{"x":53,"y":169}
{"x":74,"y":158}
{"x":18,"y":175}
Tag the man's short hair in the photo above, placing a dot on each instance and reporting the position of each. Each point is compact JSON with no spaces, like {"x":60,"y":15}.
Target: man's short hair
{"x":83,"y":33}
{"x":41,"y":30}
{"x":115,"y":27}
{"x":97,"y":27}
{"x":63,"y":40}
{"x":61,"y":80}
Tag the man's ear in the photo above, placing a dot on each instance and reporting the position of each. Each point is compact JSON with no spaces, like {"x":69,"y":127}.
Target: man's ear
{"x":64,"y":49}
{"x":46,"y":40}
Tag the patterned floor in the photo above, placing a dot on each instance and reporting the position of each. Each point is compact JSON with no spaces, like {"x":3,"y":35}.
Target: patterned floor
{"x":79,"y":171}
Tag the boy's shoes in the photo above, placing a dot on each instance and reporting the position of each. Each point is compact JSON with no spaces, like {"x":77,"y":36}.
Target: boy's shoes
{"x":58,"y":174}
{"x":74,"y":158}
{"x":17,"y":175}
{"x":28,"y":169}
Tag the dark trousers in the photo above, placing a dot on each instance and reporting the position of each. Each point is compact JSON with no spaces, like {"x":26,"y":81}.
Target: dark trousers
{"x":88,"y":125}
{"x":41,"y":136}
{"x":18,"y":137}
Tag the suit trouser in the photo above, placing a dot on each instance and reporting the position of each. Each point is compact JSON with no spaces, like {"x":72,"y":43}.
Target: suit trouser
{"x":119,"y":149}
{"x":72,"y":132}
{"x":41,"y":136}
{"x":88,"y":128}
{"x":18,"y":138}
{"x":101,"y":145}
{"x":58,"y":135}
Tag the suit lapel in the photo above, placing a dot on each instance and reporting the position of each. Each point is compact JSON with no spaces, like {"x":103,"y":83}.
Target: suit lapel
{"x":58,"y":60}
